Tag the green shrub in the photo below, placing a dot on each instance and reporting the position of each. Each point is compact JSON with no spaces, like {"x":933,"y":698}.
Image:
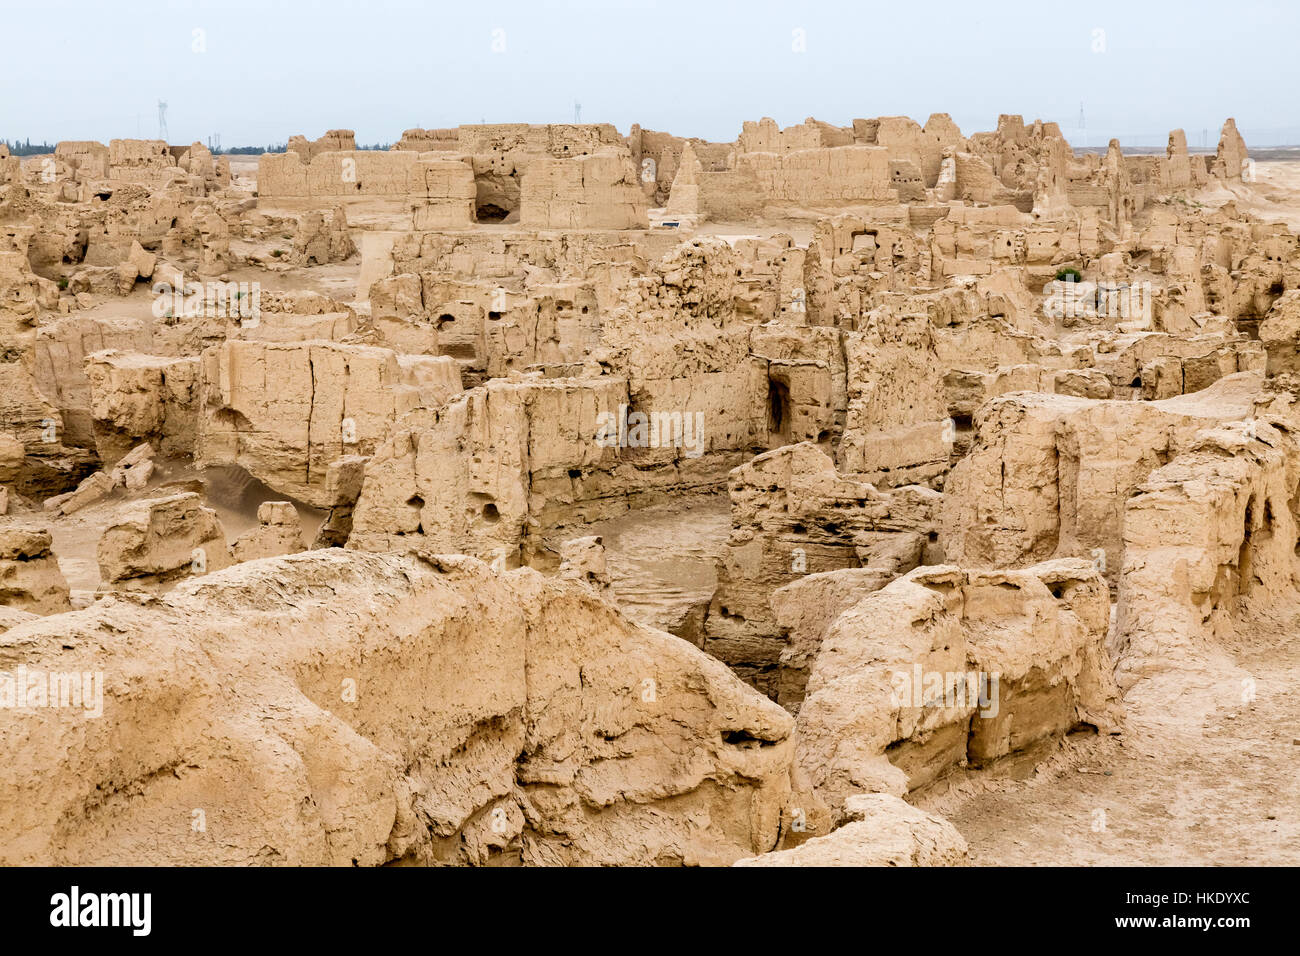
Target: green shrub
{"x":1069,"y":274}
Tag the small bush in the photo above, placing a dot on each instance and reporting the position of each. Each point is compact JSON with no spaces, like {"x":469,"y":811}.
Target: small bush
{"x":277,"y":253}
{"x":1069,"y":274}
{"x":63,"y":283}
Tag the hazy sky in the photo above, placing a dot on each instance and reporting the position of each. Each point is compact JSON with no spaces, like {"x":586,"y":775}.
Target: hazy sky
{"x":259,"y":71}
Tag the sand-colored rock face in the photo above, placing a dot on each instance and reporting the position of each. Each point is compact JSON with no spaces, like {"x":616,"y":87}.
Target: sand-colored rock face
{"x":1049,"y":475}
{"x":681,"y":404}
{"x":897,"y":413}
{"x":284,"y":411}
{"x":944,"y":667}
{"x":470,"y":477}
{"x":12,"y":617}
{"x":61,"y":351}
{"x":592,"y":192}
{"x":322,"y":239}
{"x":278,"y":531}
{"x":805,"y":609}
{"x":141,"y":398}
{"x":794,"y":514}
{"x":884,"y":831}
{"x":162,"y":540}
{"x":390,"y":709}
{"x":1280,"y":334}
{"x":1209,"y":540}
{"x":1230,"y":157}
{"x":30,"y":579}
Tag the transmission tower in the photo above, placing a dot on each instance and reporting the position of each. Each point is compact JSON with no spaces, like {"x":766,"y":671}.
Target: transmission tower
{"x":577,"y":112}
{"x":162,"y":121}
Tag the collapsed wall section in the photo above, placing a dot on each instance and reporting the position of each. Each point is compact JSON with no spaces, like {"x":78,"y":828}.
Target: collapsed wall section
{"x":340,"y":708}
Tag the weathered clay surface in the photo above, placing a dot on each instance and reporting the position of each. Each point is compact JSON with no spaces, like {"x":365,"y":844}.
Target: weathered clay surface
{"x":30,"y":579}
{"x":884,"y":831}
{"x":904,"y":685}
{"x":362,"y":481}
{"x":414,"y":709}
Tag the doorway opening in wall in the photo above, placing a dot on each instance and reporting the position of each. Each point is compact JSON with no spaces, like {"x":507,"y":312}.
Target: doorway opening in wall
{"x":490,"y":212}
{"x":778,"y":413}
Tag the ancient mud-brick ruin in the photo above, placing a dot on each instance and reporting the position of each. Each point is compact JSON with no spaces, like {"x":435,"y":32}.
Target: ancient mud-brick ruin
{"x":545,"y":495}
